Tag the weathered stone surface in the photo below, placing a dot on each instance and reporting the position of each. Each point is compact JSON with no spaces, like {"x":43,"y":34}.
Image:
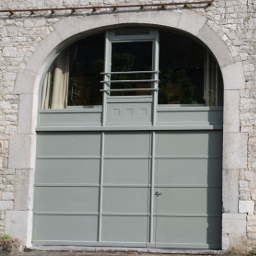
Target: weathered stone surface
{"x":246,"y":207}
{"x":231,"y":119}
{"x":21,"y":149}
{"x":27,"y":113}
{"x":230,"y":190}
{"x":24,"y":180}
{"x":191,"y":22}
{"x":6,"y":205}
{"x":234,"y":232}
{"x":235,"y":150}
{"x":233,"y":76}
{"x":19,"y":225}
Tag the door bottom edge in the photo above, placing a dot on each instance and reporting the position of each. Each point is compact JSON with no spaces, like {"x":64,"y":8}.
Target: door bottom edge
{"x":123,"y":249}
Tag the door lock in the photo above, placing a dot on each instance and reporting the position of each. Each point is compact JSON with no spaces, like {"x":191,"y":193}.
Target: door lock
{"x":159,"y":192}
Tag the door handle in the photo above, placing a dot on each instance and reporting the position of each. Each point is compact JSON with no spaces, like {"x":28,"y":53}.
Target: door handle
{"x":159,"y":192}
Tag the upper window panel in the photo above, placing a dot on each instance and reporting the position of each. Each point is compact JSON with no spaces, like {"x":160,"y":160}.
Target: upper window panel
{"x":74,"y":78}
{"x":131,"y":56}
{"x":188,"y":72}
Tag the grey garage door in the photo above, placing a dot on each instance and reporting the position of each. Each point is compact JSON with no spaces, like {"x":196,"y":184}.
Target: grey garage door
{"x":140,"y":189}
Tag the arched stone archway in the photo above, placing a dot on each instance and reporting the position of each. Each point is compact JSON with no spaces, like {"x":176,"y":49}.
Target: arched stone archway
{"x":22,"y":146}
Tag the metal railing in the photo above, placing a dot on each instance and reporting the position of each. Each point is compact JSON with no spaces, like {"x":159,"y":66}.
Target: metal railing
{"x":129,"y":81}
{"x":113,"y":7}
{"x":129,"y":89}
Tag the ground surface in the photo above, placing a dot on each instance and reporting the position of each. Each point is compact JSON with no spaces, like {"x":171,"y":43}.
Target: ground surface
{"x":77,"y":253}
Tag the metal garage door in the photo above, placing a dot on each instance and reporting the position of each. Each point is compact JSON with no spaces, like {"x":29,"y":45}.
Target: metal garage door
{"x":154,"y":189}
{"x":138,"y":171}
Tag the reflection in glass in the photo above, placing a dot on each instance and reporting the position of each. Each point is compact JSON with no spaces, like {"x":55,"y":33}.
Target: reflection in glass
{"x":55,"y":84}
{"x":86,"y":63}
{"x":189,"y":74}
{"x":131,"y":56}
{"x":74,"y":78}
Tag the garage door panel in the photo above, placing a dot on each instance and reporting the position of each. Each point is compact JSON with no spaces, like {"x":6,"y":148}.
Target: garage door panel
{"x":66,"y":199}
{"x":68,"y":171}
{"x":187,"y":201}
{"x":126,"y":200}
{"x":106,"y":187}
{"x":127,"y":144}
{"x":189,"y":171}
{"x":127,"y":171}
{"x":69,"y":144}
{"x":189,"y":230}
{"x":189,"y":143}
{"x":125,"y":229}
{"x":66,"y":227}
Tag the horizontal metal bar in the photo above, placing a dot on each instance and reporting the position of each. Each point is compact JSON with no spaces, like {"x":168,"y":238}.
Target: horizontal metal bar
{"x":192,"y":215}
{"x":129,"y":89}
{"x":67,"y":157}
{"x":128,"y":157}
{"x":143,"y":186}
{"x":174,"y":186}
{"x":188,"y":157}
{"x":142,"y":126}
{"x":67,"y":213}
{"x":129,"y":72}
{"x":131,"y":81}
{"x":84,"y":185}
{"x":132,"y":214}
{"x":114,"y":7}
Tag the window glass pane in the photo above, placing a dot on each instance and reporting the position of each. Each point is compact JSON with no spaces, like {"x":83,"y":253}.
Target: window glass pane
{"x":131,"y":56}
{"x":74,"y":77}
{"x":188,"y":72}
{"x":86,"y":64}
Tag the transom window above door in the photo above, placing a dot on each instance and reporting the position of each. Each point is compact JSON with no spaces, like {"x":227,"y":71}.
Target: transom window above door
{"x":171,"y":67}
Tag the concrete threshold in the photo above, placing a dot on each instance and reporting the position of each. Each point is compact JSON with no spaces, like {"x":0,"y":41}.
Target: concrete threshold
{"x":123,"y":250}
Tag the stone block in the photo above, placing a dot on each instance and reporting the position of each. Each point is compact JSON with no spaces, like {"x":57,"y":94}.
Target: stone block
{"x":234,"y":232}
{"x":19,"y":225}
{"x":44,"y":54}
{"x":249,"y":67}
{"x":22,"y":151}
{"x":191,"y":22}
{"x":97,"y":21}
{"x":216,"y":45}
{"x":7,"y":196}
{"x":234,"y":150}
{"x":170,"y":19}
{"x":25,"y":81}
{"x":233,"y":76}
{"x":10,"y":52}
{"x":4,"y":105}
{"x":231,"y":118}
{"x":246,"y":207}
{"x":27,"y":113}
{"x":6,"y":205}
{"x":230,"y":191}
{"x":24,"y":181}
{"x":71,"y":27}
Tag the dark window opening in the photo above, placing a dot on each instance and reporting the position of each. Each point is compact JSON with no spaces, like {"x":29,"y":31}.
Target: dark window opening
{"x":188,"y":72}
